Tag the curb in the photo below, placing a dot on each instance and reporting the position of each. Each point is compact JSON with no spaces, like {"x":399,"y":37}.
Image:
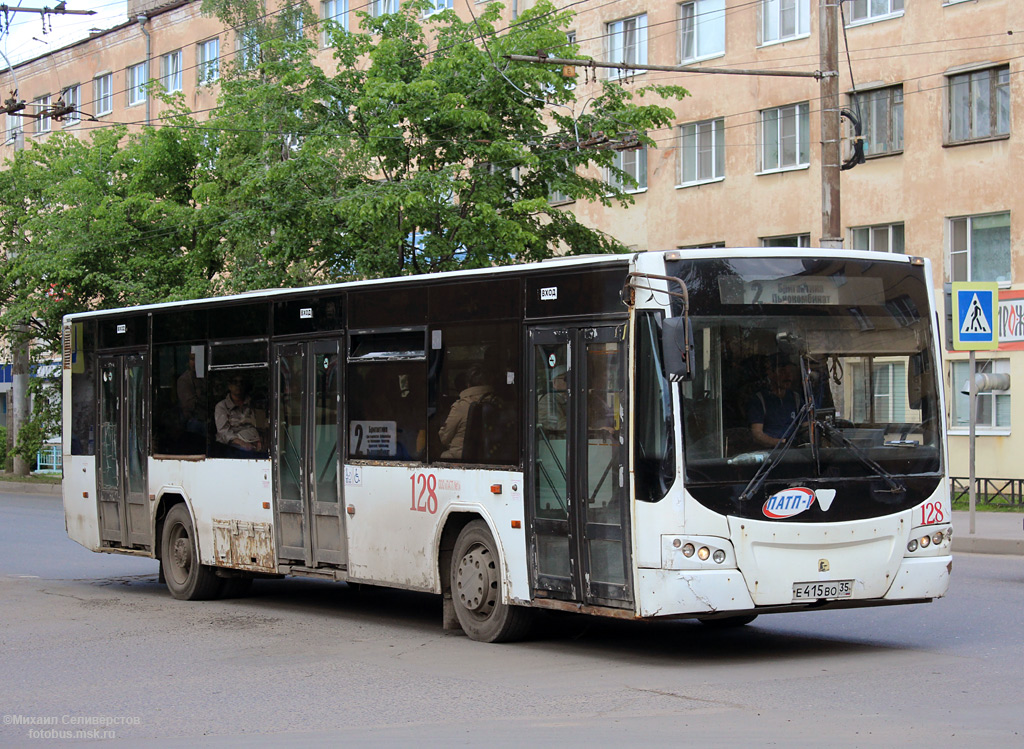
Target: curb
{"x":980,"y":545}
{"x":19,"y":487}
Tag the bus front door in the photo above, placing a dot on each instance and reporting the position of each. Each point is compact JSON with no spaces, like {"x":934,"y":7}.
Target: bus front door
{"x":307,"y":445}
{"x":122,"y":476}
{"x":577,"y":472}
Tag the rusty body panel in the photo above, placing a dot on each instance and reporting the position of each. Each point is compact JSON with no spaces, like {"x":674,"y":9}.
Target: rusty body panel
{"x":244,"y":545}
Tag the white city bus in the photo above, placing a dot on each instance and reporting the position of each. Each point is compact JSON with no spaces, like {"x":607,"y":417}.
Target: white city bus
{"x":590,"y":435}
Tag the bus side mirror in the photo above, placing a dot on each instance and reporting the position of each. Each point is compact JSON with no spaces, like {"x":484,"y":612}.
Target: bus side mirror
{"x":677,"y":348}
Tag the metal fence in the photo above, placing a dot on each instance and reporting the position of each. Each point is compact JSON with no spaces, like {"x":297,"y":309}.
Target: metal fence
{"x":49,"y":459}
{"x":993,"y":492}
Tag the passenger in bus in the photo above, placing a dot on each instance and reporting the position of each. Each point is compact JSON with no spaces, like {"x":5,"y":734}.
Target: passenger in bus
{"x":453,"y":431}
{"x":772,"y":409}
{"x":236,"y":422}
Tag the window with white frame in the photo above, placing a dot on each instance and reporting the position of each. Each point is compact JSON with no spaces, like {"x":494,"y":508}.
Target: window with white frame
{"x":979,"y":104}
{"x":634,"y":164}
{"x":785,"y":136}
{"x":701,"y":29}
{"x":701,"y":152}
{"x":138,"y":77}
{"x":878,"y":238}
{"x":41,"y":104}
{"x":247,"y":44}
{"x":627,"y":43}
{"x":887,"y":385}
{"x":979,"y":248}
{"x":993,"y":409}
{"x":862,"y":11}
{"x":784,"y":19}
{"x":787,"y":240}
{"x":336,"y":11}
{"x":383,"y":7}
{"x":72,"y":97}
{"x":436,"y":6}
{"x":15,"y":130}
{"x":881,"y":113}
{"x":103,"y":94}
{"x":170,"y":71}
{"x":208,"y":58}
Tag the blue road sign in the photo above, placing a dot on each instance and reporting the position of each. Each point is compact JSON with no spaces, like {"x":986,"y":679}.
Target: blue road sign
{"x":975,"y":306}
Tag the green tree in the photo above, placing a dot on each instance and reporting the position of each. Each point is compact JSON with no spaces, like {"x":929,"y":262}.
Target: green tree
{"x":409,"y":156}
{"x":102,"y":223}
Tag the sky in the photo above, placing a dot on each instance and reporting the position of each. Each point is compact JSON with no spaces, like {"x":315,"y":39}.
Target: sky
{"x":26,"y":38}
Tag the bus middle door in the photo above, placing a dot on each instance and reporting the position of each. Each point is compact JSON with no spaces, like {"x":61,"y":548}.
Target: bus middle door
{"x":577,"y":484}
{"x":307,"y":443}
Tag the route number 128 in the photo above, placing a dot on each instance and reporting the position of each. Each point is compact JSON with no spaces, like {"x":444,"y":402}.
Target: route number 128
{"x":424,"y":492}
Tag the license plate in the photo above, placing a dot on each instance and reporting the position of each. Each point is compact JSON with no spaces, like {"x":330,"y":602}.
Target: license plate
{"x":824,"y":589}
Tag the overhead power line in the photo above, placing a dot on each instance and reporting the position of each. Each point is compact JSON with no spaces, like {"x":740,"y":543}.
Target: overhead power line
{"x":817,"y":74}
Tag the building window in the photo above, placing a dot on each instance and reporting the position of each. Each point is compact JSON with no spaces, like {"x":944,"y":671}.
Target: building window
{"x":881,"y":113}
{"x":785,"y":132}
{"x":627,"y":43}
{"x":72,"y":97}
{"x":102,"y":94}
{"x":979,"y":248}
{"x":703,"y":246}
{"x":993,"y":408}
{"x":882,"y":397}
{"x":784,"y":19}
{"x":633,"y":164}
{"x":979,"y":104}
{"x":880,"y":238}
{"x":787,"y":240}
{"x":436,"y":6}
{"x":41,"y":104}
{"x":701,"y":152}
{"x":383,"y":7}
{"x":208,"y":55}
{"x":247,"y":43}
{"x":701,"y":29}
{"x":15,"y":131}
{"x":873,"y":10}
{"x":170,"y":75}
{"x":138,"y":76}
{"x":336,"y":11}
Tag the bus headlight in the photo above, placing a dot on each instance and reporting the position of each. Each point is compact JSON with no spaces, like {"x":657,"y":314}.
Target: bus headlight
{"x":688,"y":550}
{"x":703,"y":553}
{"x":912,"y":545}
{"x":937,"y":538}
{"x":718,"y":556}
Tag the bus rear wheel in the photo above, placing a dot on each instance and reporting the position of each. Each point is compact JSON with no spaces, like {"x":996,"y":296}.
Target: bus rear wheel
{"x":186,"y":578}
{"x":476,"y":589}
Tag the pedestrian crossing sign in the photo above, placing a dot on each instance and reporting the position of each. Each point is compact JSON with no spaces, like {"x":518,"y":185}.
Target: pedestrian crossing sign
{"x":975,"y":322}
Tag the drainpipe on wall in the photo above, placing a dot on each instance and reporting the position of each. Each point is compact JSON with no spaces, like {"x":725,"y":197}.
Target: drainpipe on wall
{"x":142,"y":25}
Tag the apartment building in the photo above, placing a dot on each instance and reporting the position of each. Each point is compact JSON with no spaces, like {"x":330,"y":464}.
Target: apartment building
{"x":935,"y":83}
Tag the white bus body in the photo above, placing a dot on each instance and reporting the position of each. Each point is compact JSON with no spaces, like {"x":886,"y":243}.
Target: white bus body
{"x":647,"y":498}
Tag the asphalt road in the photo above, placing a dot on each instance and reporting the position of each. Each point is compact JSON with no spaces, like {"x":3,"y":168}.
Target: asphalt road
{"x":91,"y":642}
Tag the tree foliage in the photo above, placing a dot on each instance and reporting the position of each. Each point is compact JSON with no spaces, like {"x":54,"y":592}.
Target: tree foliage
{"x":421,"y":149}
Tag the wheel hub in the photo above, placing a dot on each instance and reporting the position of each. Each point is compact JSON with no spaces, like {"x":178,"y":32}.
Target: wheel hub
{"x":181,"y":553}
{"x":476,"y":580}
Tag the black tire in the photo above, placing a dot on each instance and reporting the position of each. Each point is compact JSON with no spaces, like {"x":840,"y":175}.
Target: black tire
{"x":475,"y":578}
{"x":729,"y":622}
{"x":186,"y":577}
{"x":235,"y":587}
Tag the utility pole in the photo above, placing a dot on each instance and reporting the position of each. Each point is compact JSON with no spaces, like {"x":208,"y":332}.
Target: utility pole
{"x":828,"y":41}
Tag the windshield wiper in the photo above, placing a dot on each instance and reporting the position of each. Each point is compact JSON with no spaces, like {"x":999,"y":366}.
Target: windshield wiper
{"x":894,"y":486}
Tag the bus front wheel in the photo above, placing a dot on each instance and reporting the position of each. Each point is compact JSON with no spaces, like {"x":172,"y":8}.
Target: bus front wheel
{"x":476,"y":589}
{"x":186,"y":578}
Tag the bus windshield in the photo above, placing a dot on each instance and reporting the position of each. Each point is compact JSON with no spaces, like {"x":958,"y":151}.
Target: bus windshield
{"x":830,"y":357}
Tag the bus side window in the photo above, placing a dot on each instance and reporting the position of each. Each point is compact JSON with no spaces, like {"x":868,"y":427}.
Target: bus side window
{"x":179,"y":400}
{"x":474,"y":416}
